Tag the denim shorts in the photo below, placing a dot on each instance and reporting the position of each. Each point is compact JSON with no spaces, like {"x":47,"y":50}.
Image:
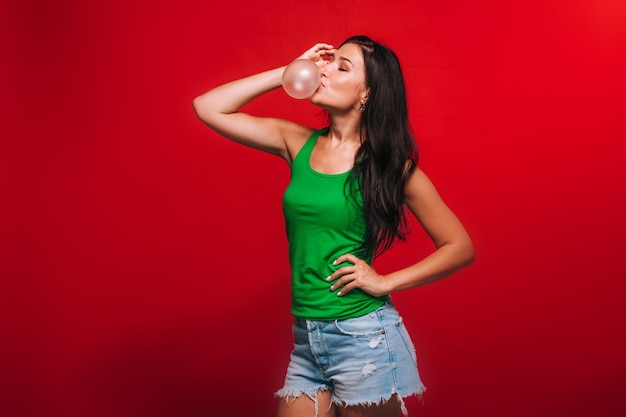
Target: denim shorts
{"x":362,"y":361}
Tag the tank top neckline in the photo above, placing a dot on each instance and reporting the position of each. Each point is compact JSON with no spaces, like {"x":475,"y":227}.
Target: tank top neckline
{"x":313,"y":140}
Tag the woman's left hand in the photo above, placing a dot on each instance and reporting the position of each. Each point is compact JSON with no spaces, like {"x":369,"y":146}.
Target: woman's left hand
{"x":358,"y":275}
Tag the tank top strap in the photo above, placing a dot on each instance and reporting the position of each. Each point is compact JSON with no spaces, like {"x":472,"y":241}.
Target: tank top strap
{"x":305,"y":152}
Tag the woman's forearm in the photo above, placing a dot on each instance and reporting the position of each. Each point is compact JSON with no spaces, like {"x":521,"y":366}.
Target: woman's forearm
{"x":230,"y":97}
{"x":446,"y":260}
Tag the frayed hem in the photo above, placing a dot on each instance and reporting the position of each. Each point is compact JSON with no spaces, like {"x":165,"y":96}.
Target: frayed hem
{"x":383,"y":400}
{"x":286,"y":394}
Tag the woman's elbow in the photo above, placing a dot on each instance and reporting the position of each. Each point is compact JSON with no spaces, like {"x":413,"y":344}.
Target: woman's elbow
{"x":197,"y":106}
{"x":467,"y":253}
{"x":204,"y":109}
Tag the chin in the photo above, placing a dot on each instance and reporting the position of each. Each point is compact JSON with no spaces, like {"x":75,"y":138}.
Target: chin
{"x":314,"y":99}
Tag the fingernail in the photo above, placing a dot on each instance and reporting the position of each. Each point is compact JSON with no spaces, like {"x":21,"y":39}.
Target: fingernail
{"x":339,"y":294}
{"x":332,"y":288}
{"x":335,"y":262}
{"x":328,"y":278}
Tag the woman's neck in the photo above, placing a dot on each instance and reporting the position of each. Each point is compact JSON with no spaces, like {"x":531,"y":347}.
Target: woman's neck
{"x":345,"y":130}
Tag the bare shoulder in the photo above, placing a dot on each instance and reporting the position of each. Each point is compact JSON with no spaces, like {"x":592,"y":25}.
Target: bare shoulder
{"x":422,"y":198}
{"x":290,"y":136}
{"x":419,"y":186}
{"x":295,"y":136}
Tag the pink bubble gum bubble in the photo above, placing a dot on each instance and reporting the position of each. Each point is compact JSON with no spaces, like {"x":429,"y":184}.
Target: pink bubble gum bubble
{"x":301,"y":78}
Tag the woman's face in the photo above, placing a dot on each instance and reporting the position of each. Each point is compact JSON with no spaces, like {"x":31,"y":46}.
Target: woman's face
{"x":343,"y":86}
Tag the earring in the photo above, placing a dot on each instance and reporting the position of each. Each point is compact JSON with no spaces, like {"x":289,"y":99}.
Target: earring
{"x":363,"y":107}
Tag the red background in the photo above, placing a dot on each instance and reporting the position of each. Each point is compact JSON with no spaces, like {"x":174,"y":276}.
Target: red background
{"x":144,"y":264}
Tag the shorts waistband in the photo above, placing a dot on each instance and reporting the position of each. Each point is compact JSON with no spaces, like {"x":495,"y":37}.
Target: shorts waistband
{"x":303,"y":322}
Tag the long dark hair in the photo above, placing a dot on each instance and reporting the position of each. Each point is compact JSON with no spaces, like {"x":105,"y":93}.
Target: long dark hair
{"x":388,"y":153}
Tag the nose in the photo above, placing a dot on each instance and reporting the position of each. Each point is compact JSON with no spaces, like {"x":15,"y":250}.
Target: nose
{"x":323,"y":69}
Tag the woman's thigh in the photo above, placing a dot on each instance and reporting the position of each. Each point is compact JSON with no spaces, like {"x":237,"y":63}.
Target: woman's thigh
{"x":305,"y":406}
{"x":391,"y":408}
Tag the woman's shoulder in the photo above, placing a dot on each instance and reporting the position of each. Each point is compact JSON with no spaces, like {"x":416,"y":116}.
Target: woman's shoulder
{"x":419,"y":187}
{"x":298,"y":136}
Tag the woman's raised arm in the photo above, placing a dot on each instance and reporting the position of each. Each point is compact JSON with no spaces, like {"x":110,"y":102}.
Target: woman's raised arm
{"x":219,"y":109}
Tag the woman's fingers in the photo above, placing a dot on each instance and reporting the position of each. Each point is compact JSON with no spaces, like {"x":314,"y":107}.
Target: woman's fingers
{"x":341,"y":277}
{"x":358,"y":275}
{"x":318,"y":51}
{"x":344,"y":285}
{"x":348,"y":257}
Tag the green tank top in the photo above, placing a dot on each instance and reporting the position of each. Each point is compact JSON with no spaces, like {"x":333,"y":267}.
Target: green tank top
{"x":322,"y":224}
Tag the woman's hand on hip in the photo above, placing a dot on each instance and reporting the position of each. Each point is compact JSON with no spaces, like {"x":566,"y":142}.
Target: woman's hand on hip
{"x":358,"y":275}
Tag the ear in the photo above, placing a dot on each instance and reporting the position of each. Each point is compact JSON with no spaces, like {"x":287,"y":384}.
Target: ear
{"x":365,"y":96}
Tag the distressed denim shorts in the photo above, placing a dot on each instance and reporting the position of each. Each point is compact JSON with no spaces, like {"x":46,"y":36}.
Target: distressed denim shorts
{"x":362,"y":361}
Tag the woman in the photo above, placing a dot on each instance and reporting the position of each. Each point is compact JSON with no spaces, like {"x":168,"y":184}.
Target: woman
{"x":345,"y":204}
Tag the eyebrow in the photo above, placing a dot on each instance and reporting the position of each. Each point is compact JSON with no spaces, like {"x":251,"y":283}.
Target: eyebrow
{"x":346,"y":59}
{"x":343,"y":58}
